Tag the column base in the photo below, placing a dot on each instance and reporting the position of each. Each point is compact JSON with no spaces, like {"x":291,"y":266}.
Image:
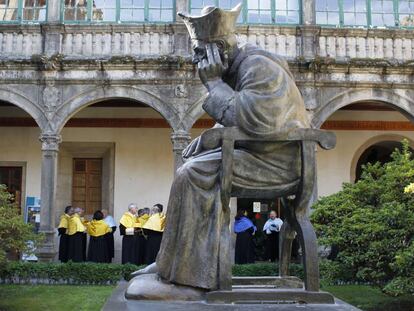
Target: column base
{"x":46,"y":252}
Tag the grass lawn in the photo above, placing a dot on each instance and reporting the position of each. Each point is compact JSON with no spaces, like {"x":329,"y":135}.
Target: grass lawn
{"x":91,"y":298}
{"x":370,"y":298}
{"x":53,"y":297}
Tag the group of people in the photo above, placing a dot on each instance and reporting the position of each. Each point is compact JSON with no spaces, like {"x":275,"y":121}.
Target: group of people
{"x":245,"y":230}
{"x":141,"y":230}
{"x":142,"y":233}
{"x":73,"y":230}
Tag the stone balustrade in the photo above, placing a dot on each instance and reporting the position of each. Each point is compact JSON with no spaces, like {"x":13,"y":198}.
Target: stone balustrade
{"x":393,"y":45}
{"x":141,"y":41}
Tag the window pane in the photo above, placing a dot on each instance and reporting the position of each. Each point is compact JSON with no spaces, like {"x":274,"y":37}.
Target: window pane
{"x":34,"y":10}
{"x":8,"y":10}
{"x":406,"y":13}
{"x":355,"y":12}
{"x":75,"y":11}
{"x":104,"y":10}
{"x":327,"y":12}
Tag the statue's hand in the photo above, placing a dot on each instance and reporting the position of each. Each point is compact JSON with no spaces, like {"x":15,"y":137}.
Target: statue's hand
{"x":208,"y":140}
{"x":211,"y":69}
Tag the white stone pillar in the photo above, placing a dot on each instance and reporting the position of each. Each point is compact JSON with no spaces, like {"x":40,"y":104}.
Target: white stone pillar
{"x":180,"y":139}
{"x":50,"y":149}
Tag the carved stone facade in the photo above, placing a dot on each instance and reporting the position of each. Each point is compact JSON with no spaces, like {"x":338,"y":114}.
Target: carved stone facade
{"x":53,"y":71}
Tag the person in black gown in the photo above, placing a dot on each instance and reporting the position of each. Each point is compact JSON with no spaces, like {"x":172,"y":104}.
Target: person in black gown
{"x":245,"y":230}
{"x":98,"y":230}
{"x":62,"y":230}
{"x":110,"y":237}
{"x":76,"y":231}
{"x":153,"y":229}
{"x":127,"y":227}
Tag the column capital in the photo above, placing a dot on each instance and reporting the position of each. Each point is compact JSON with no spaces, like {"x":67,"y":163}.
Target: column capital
{"x":50,"y":142}
{"x":180,"y":140}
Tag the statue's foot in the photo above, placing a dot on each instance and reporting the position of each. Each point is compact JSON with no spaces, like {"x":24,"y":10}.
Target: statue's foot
{"x":152,"y":287}
{"x":152,"y":268}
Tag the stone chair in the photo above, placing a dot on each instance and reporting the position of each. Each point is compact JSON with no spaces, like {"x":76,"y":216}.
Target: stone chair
{"x":297,"y":209}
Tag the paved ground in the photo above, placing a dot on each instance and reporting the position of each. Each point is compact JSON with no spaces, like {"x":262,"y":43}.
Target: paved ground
{"x":117,"y":302}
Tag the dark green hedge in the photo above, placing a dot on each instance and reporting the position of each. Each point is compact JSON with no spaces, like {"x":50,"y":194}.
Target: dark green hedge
{"x":91,"y":273}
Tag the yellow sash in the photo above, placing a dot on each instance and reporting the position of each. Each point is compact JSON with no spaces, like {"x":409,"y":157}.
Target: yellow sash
{"x":141,"y":221}
{"x":64,"y":221}
{"x":98,"y":228}
{"x":128,"y":220}
{"x":156,"y":222}
{"x":75,"y":225}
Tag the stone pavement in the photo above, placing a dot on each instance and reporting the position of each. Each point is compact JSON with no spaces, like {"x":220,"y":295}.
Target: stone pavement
{"x":117,"y":302}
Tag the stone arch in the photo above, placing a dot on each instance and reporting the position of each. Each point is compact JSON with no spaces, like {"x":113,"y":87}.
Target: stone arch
{"x":25,"y":104}
{"x":193,"y":114}
{"x":370,"y":142}
{"x":391,"y":98}
{"x":91,"y":96}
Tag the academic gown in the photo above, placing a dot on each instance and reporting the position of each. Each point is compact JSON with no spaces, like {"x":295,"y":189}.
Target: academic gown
{"x":76,"y":239}
{"x":142,"y":240}
{"x":244,"y":250}
{"x":129,"y":247}
{"x":153,"y":230}
{"x":110,"y":237}
{"x":272,"y":246}
{"x":262,"y":99}
{"x":98,"y":249}
{"x":64,"y":238}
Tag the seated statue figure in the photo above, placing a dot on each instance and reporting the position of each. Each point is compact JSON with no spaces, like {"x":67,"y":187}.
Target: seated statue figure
{"x":254,"y":90}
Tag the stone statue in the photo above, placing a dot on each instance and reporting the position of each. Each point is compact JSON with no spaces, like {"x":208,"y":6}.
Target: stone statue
{"x":250,"y":89}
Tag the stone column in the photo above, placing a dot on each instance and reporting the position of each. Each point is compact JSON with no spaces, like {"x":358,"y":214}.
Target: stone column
{"x":180,"y":139}
{"x":50,"y":149}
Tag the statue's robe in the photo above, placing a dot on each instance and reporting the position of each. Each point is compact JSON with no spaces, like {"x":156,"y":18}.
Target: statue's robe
{"x":260,"y":97}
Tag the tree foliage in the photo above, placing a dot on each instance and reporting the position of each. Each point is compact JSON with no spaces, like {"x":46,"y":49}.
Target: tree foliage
{"x":14,"y":233}
{"x":372,"y":224}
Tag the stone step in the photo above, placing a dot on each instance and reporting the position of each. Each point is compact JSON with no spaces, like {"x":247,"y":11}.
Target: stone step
{"x":268,"y":295}
{"x":272,"y":281}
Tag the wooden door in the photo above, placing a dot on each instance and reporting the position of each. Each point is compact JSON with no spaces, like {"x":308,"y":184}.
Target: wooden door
{"x":11,"y":176}
{"x":87,"y":184}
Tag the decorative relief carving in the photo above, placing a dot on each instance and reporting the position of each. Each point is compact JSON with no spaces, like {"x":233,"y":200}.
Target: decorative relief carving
{"x":50,"y":142}
{"x":181,"y":91}
{"x":51,"y":99}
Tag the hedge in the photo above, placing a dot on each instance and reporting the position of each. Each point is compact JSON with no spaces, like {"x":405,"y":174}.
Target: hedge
{"x":103,"y":274}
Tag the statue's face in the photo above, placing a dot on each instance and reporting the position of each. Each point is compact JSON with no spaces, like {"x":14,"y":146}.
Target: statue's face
{"x":226,"y":48}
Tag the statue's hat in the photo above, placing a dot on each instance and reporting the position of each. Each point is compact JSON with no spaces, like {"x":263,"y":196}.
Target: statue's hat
{"x":213,"y":23}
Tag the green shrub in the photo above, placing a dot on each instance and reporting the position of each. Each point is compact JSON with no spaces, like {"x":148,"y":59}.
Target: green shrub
{"x":14,"y":233}
{"x":372,"y":224}
{"x":93,"y":273}
{"x":72,"y":273}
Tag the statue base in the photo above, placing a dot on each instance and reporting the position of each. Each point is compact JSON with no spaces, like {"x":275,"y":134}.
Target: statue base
{"x":152,"y":287}
{"x":245,"y":290}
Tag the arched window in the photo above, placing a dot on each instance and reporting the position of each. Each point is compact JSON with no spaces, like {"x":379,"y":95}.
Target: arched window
{"x":26,"y":11}
{"x":118,"y":11}
{"x":257,"y":11}
{"x":367,"y":13}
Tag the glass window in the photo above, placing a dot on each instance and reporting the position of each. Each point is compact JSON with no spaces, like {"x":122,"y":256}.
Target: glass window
{"x":355,"y":12}
{"x":8,"y":10}
{"x":406,"y":13}
{"x":287,"y":12}
{"x":34,"y":10}
{"x":75,"y":10}
{"x":259,"y":11}
{"x":119,"y":10}
{"x":327,"y":12}
{"x":132,"y":10}
{"x":104,"y":10}
{"x":382,"y":13}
